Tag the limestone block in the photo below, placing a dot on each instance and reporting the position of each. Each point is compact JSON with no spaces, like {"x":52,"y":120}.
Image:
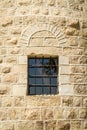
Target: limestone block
{"x":25,"y":125}
{"x":1,"y":60}
{"x":83,"y":60}
{"x":7,"y":126}
{"x":19,"y":90}
{"x":45,"y":11}
{"x":85,"y":125}
{"x":24,"y":2}
{"x":65,"y":69}
{"x":14,"y":113}
{"x":37,"y":2}
{"x":36,"y":10}
{"x":14,"y":50}
{"x":11,"y":41}
{"x":39,"y":125}
{"x":50,"y":42}
{"x":3,"y":114}
{"x":72,"y":41}
{"x":77,"y":78}
{"x":84,"y":23}
{"x":84,"y":32}
{"x":7,"y":101}
{"x":20,"y":68}
{"x":4,"y":90}
{"x":85,"y":102}
{"x":63,"y":125}
{"x":74,"y":59}
{"x":77,"y":101}
{"x":76,"y":125}
{"x":47,"y":113}
{"x":6,"y":70}
{"x":66,"y":89}
{"x":59,"y":113}
{"x":11,"y":78}
{"x":80,"y":89}
{"x":83,"y":42}
{"x":23,"y":60}
{"x":63,"y":79}
{"x":72,"y":32}
{"x":19,"y":101}
{"x":51,"y":2}
{"x":63,"y":60}
{"x":67,"y":101}
{"x":73,"y":23}
{"x":18,"y":20}
{"x":11,"y":59}
{"x":78,"y":69}
{"x":3,"y":51}
{"x":22,"y":78}
{"x":31,"y":114}
{"x":50,"y":125}
{"x":7,"y":21}
{"x":83,"y":113}
{"x":16,"y":30}
{"x":36,"y":42}
{"x":72,"y":113}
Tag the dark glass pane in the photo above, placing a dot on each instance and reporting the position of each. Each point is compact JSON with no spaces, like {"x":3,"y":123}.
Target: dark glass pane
{"x":54,"y":81}
{"x":53,"y":90}
{"x":38,"y":90}
{"x":46,"y":90}
{"x":32,"y":90}
{"x":46,"y":61}
{"x":31,"y":81}
{"x":31,"y":62}
{"x":39,"y":62}
{"x":38,"y":80}
{"x":46,"y":70}
{"x":39,"y":71}
{"x":46,"y":81}
{"x":32,"y":71}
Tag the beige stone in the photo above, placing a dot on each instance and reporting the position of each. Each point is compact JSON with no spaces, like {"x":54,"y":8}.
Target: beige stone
{"x":7,"y":101}
{"x":63,"y":125}
{"x":24,"y":2}
{"x":39,"y":125}
{"x":3,"y":114}
{"x":73,"y":23}
{"x":63,"y":60}
{"x":11,"y":59}
{"x":12,"y":41}
{"x":19,"y":90}
{"x":80,"y":89}
{"x":25,"y":125}
{"x":7,"y":126}
{"x":7,"y":21}
{"x":72,"y":114}
{"x":66,"y":89}
{"x":47,"y":113}
{"x":31,"y":114}
{"x":83,"y":113}
{"x":75,"y":125}
{"x":6,"y":69}
{"x":50,"y":125}
{"x":59,"y":113}
{"x":4,"y":90}
{"x":11,"y":78}
{"x":51,"y":2}
{"x":85,"y":102}
{"x":67,"y":101}
{"x":19,"y":101}
{"x":77,"y":101}
{"x":1,"y":60}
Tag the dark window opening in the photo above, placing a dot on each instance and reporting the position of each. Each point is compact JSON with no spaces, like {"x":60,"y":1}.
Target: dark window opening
{"x":42,"y":75}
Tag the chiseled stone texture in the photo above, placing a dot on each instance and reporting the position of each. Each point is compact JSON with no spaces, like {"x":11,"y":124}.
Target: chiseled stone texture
{"x":43,"y":28}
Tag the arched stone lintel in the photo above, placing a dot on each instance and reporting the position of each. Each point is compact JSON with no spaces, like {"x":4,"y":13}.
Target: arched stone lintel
{"x":32,"y":29}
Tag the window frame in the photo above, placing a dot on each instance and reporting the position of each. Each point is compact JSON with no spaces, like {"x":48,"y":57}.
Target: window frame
{"x":42,"y":85}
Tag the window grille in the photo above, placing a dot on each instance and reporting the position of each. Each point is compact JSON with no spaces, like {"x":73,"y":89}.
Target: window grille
{"x":42,"y":75}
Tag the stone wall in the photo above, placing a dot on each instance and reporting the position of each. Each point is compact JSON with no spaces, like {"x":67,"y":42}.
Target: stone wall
{"x":43,"y":27}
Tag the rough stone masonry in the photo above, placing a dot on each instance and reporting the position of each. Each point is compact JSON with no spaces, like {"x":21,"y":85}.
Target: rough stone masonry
{"x":43,"y":27}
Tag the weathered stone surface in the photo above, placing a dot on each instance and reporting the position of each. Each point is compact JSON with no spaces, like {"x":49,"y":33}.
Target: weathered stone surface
{"x":1,"y":60}
{"x":51,"y":2}
{"x":3,"y":114}
{"x":39,"y":125}
{"x":63,"y":125}
{"x":6,"y":70}
{"x":80,"y":89}
{"x":72,"y":32}
{"x":12,"y":78}
{"x":47,"y":113}
{"x":83,"y":113}
{"x":59,"y":113}
{"x":50,"y":125}
{"x":78,"y":69}
{"x":83,"y":42}
{"x":77,"y":101}
{"x":11,"y":59}
{"x":85,"y":102}
{"x":24,"y":2}
{"x":73,"y":23}
{"x":7,"y":126}
{"x":14,"y":114}
{"x":19,"y":101}
{"x":27,"y":125}
{"x":76,"y":125}
{"x":67,"y":101}
{"x":7,"y":21}
{"x":7,"y":101}
{"x":72,"y":114}
{"x":4,"y":90}
{"x":31,"y":114}
{"x":12,"y":41}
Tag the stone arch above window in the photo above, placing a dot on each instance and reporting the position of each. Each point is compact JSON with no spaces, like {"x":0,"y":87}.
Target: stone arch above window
{"x":45,"y":34}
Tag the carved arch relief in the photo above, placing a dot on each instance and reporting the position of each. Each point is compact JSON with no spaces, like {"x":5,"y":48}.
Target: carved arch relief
{"x":45,"y":32}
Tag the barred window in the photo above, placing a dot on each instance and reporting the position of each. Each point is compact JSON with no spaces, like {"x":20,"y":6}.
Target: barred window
{"x":42,"y":75}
